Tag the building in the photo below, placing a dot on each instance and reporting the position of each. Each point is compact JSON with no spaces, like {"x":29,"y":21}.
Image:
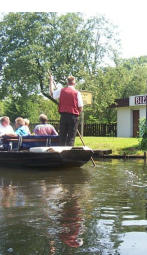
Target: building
{"x":129,"y":112}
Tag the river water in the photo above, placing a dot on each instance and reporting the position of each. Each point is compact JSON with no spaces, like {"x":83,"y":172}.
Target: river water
{"x":101,"y":210}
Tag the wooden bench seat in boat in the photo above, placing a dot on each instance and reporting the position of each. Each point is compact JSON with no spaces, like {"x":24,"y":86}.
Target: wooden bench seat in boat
{"x":26,"y":142}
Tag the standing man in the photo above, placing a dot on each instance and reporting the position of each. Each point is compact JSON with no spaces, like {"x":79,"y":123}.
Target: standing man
{"x":70,"y":106}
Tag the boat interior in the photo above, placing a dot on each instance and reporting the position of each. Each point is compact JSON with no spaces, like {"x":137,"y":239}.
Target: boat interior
{"x":24,"y":143}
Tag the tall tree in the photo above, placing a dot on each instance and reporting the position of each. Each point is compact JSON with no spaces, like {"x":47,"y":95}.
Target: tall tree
{"x":30,"y":107}
{"x":32,"y":43}
{"x":128,"y":78}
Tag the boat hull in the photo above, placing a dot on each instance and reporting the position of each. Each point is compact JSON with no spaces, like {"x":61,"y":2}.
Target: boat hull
{"x":46,"y":160}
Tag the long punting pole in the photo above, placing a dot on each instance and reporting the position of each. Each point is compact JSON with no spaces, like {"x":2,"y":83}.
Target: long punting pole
{"x":84,"y":145}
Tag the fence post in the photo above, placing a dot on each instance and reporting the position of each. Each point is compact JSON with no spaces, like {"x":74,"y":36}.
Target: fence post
{"x":82,"y":123}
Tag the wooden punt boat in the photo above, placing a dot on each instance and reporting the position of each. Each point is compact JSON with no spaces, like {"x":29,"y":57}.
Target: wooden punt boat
{"x":50,"y":156}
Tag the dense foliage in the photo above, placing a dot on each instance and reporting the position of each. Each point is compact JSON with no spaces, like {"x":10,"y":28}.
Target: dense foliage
{"x":143,"y":134}
{"x":30,"y":107}
{"x":33,"y":43}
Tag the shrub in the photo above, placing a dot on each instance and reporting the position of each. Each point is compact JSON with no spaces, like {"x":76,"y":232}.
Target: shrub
{"x":143,"y":133}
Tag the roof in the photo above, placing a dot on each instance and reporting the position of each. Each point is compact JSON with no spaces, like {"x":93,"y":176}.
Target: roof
{"x":122,"y":102}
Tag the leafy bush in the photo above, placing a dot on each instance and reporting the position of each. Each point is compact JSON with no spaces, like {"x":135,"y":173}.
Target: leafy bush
{"x":30,"y":107}
{"x":143,"y":133}
{"x":142,"y":127}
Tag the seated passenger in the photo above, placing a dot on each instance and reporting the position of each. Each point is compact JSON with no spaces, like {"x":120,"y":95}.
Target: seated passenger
{"x":44,"y":128}
{"x":27,"y":122}
{"x":5,"y":127}
{"x":20,"y":127}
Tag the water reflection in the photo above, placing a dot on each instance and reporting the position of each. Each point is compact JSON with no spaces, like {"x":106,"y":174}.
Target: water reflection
{"x":74,"y":211}
{"x":72,"y":223}
{"x":40,"y":205}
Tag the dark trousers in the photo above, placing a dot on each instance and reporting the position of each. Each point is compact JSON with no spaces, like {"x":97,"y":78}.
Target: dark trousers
{"x":68,"y":128}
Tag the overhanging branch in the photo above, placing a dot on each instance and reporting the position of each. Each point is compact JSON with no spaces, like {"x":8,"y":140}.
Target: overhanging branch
{"x":41,"y":83}
{"x":49,"y":97}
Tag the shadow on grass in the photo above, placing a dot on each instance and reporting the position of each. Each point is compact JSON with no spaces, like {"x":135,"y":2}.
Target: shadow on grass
{"x":131,"y":150}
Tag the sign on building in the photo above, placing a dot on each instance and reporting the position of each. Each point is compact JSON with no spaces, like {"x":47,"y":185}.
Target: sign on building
{"x":140,"y":100}
{"x":137,"y":100}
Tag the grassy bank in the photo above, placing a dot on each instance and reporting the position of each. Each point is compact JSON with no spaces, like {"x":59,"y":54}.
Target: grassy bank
{"x":116,"y":144}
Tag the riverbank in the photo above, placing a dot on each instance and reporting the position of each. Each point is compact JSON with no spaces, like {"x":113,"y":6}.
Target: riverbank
{"x":119,"y":146}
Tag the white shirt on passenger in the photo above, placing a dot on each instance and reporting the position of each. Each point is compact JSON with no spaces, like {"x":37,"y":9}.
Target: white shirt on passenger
{"x":56,"y":95}
{"x":6,"y":130}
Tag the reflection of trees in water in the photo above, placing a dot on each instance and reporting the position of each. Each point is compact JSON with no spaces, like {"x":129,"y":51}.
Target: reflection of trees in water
{"x":10,"y":196}
{"x":7,"y":196}
{"x":50,"y":211}
{"x":45,"y":213}
{"x":117,"y":192}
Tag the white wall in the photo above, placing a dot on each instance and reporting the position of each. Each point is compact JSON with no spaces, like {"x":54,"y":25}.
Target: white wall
{"x":125,"y":115}
{"x":124,"y":122}
{"x":142,"y":112}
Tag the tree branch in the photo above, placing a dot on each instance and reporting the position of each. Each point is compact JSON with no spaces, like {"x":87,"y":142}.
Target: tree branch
{"x":41,"y":84}
{"x":49,"y":97}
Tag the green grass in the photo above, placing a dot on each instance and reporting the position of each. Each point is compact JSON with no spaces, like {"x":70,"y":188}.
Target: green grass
{"x":116,"y":144}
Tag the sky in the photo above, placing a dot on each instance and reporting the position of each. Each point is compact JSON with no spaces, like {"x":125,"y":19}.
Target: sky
{"x":130,"y":16}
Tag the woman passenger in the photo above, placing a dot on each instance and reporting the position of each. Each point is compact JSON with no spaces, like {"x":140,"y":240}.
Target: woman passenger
{"x":20,"y":127}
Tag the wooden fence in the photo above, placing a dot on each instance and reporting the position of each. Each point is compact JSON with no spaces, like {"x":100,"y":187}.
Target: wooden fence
{"x":100,"y":129}
{"x":90,"y":129}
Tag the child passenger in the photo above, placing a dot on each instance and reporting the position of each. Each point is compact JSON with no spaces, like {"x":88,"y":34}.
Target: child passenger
{"x":44,"y":128}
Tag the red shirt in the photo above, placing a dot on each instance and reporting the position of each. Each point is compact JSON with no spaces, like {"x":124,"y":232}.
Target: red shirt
{"x":68,"y":102}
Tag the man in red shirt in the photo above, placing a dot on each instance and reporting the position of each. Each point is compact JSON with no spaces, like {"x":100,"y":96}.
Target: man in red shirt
{"x":70,"y":106}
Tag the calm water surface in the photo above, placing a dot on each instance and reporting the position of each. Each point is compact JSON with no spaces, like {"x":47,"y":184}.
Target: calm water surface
{"x":87,"y":210}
